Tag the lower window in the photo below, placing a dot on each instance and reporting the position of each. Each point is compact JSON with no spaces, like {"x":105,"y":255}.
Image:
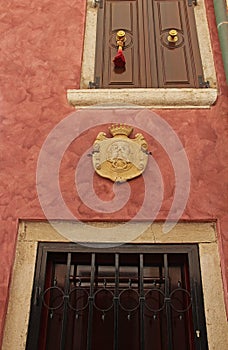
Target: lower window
{"x":128,"y":297}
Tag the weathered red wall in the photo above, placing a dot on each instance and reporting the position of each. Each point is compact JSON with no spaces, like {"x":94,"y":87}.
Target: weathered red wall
{"x":41,"y":49}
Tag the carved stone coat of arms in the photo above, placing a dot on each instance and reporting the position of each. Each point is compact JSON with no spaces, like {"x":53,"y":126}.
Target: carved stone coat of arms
{"x":120,"y":158}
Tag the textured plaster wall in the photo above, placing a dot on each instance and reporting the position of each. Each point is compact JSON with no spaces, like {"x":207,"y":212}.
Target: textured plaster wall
{"x":41,"y":49}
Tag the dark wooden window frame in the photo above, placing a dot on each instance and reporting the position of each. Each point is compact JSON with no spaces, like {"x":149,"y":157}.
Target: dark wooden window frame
{"x":191,"y":251}
{"x":151,"y":60}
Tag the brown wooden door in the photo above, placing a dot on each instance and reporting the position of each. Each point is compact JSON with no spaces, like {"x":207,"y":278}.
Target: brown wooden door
{"x":151,"y":59}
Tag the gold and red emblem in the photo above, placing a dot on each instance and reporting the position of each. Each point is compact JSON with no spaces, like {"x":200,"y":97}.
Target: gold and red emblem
{"x":120,"y":158}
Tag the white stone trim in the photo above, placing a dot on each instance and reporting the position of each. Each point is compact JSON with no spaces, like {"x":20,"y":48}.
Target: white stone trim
{"x":205,"y":43}
{"x":30,"y":233}
{"x":144,"y":98}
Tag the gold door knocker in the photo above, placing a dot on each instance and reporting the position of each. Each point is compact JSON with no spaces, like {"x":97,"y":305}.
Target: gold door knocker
{"x":172,"y":37}
{"x":120,"y":39}
{"x":119,"y":60}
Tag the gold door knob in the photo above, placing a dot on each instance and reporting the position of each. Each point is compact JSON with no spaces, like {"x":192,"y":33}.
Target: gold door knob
{"x":172,"y":37}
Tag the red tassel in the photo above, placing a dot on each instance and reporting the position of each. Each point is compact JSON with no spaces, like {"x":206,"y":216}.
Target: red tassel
{"x":119,"y":59}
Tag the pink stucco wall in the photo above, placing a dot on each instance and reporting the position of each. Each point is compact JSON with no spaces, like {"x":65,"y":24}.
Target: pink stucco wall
{"x":41,"y":50}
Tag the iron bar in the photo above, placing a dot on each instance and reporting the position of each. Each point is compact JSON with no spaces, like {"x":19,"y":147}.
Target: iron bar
{"x":142,"y":302}
{"x":65,"y":303}
{"x":161,"y":323}
{"x":91,"y":299}
{"x":167,"y":303}
{"x":116,"y":302}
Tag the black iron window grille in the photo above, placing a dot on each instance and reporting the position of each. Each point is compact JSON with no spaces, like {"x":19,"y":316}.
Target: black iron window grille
{"x":136,"y":297}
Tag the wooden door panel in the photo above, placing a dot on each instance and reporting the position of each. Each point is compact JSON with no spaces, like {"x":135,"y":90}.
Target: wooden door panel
{"x":174,"y":75}
{"x":120,"y":10}
{"x":122,"y":76}
{"x":169,"y":13}
{"x":175,"y":60}
{"x":119,"y":15}
{"x":122,"y":16}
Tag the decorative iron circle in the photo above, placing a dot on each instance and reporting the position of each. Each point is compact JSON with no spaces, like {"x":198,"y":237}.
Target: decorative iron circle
{"x":82,"y":299}
{"x":126,"y":293}
{"x":54,"y":301}
{"x":103,"y":299}
{"x":161,"y":295}
{"x":187,"y":296}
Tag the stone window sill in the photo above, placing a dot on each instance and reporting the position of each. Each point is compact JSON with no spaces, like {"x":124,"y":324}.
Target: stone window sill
{"x":142,"y":98}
